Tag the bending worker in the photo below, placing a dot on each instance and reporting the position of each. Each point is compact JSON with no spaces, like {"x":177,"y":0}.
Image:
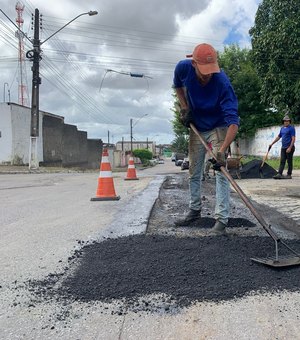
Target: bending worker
{"x":207,"y":100}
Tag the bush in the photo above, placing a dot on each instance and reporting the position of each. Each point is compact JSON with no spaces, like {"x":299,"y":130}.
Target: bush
{"x":143,"y":154}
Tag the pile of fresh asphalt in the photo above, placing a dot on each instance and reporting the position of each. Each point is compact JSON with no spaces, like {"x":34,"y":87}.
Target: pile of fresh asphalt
{"x":254,"y":169}
{"x":169,"y":268}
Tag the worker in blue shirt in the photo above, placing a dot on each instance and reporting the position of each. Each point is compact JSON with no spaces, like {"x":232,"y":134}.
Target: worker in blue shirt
{"x":207,"y":100}
{"x":287,"y":134}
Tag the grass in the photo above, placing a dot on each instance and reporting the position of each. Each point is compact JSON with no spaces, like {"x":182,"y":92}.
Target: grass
{"x":273,"y":162}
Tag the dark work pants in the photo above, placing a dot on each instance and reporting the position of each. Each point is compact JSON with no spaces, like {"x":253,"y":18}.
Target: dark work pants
{"x":284,"y":156}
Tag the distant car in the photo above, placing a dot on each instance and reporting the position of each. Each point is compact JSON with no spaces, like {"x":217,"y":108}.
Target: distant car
{"x":153,"y":161}
{"x":161,"y":161}
{"x":178,"y":162}
{"x":185,"y":164}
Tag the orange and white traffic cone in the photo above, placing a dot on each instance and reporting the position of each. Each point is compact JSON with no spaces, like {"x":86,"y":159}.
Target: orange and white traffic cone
{"x":131,"y":173}
{"x":105,"y":189}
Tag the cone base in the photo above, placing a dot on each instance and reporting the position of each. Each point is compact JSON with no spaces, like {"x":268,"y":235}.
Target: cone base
{"x":116,"y":198}
{"x":130,"y":179}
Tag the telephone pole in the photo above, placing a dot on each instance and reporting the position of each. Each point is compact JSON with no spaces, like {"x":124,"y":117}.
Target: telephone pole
{"x":35,"y":56}
{"x":131,"y":136}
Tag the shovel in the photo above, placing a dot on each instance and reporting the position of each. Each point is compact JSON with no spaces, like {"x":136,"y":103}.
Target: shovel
{"x":277,"y":261}
{"x":263,"y":162}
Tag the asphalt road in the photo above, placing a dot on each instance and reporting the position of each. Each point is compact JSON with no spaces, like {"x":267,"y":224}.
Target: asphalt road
{"x":45,"y":217}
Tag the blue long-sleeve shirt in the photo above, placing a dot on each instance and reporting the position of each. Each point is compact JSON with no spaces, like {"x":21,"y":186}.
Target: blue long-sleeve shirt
{"x":213,"y":105}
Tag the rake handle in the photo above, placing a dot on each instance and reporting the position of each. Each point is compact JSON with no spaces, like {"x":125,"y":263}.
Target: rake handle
{"x":265,"y":158}
{"x":246,"y":200}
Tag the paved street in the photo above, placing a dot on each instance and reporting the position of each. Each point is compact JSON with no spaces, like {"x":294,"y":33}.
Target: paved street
{"x":45,"y":217}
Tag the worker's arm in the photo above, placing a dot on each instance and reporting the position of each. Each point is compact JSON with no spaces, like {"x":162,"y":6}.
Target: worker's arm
{"x":274,"y":141}
{"x":289,"y":149}
{"x":230,"y":135}
{"x":180,"y":92}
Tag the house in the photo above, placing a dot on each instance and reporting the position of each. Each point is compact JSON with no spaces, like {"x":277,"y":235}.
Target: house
{"x":128,"y":146}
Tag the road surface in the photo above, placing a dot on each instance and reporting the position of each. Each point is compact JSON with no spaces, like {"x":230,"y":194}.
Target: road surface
{"x":45,"y":217}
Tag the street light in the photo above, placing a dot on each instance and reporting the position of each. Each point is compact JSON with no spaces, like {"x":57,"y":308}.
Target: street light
{"x":90,"y":13}
{"x":131,"y":74}
{"x":35,"y":56}
{"x":132,"y":126}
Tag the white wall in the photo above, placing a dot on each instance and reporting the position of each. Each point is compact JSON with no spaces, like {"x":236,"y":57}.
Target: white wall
{"x":258,"y":146}
{"x":6,"y":133}
{"x":15,"y":122}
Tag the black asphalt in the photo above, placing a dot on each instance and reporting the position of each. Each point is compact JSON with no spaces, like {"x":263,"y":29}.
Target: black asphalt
{"x":179,"y":269}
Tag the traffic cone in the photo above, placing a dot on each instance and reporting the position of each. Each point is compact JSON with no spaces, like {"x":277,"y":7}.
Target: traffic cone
{"x":131,"y":173}
{"x":105,"y":189}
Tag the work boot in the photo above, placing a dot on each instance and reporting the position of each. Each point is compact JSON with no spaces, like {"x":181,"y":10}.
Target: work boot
{"x":288,"y":176}
{"x":278,"y":176}
{"x":218,"y":228}
{"x":190,"y":217}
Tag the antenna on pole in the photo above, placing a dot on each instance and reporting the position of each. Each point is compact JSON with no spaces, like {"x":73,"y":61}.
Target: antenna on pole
{"x":22,"y":89}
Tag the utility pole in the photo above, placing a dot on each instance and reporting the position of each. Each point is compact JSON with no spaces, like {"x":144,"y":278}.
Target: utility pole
{"x":131,"y":137}
{"x":35,"y":55}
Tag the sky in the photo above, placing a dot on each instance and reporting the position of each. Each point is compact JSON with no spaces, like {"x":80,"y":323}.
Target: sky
{"x":88,"y":68}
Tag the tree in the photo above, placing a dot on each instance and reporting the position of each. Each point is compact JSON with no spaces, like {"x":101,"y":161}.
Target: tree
{"x":238,"y":65}
{"x":275,"y":40}
{"x":181,"y":141}
{"x":180,"y":144}
{"x":143,"y":154}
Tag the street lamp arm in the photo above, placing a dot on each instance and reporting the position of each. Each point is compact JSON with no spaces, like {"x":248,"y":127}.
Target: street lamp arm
{"x":133,"y":75}
{"x":90,"y":13}
{"x":146,"y":114}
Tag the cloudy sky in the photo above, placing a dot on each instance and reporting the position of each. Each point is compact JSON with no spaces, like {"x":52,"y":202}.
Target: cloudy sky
{"x":88,"y":68}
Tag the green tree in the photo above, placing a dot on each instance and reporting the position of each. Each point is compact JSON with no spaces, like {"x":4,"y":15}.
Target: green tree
{"x":276,"y":52}
{"x":238,"y":65}
{"x":180,"y":144}
{"x":143,"y":154}
{"x":181,"y":141}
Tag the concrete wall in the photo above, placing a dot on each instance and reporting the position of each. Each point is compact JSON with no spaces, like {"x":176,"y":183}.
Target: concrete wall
{"x":58,"y":143}
{"x":15,"y":129}
{"x":53,"y":128}
{"x":74,"y":146}
{"x":258,"y":145}
{"x":95,"y":148}
{"x":5,"y":134}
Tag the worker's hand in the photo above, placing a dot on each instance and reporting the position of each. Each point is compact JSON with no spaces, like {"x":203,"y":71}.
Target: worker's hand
{"x":186,"y":117}
{"x":219,"y":161}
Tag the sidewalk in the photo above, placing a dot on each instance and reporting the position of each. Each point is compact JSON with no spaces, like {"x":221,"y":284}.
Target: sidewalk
{"x":281,"y":195}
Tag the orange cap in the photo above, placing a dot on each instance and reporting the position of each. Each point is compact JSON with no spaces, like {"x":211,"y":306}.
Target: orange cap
{"x":206,"y":59}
